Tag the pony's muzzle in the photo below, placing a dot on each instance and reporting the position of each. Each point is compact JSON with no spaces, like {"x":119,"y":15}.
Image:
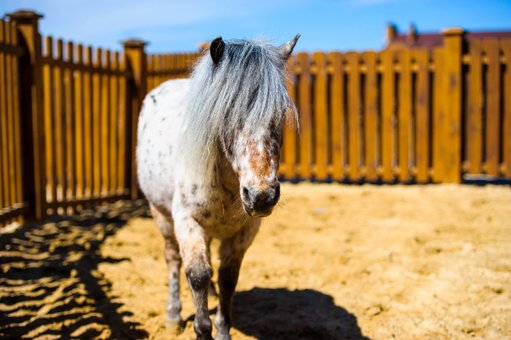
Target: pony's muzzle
{"x":260,"y":203}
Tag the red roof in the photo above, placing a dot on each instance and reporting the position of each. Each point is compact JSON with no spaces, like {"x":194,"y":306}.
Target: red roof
{"x":436,"y":39}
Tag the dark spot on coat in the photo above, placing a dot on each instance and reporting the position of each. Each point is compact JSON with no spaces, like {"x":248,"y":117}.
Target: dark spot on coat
{"x":194,"y":189}
{"x":206,"y":214}
{"x":153,"y":98}
{"x":184,"y":199}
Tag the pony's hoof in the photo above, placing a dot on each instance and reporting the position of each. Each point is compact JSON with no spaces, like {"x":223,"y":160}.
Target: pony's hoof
{"x":176,"y":326}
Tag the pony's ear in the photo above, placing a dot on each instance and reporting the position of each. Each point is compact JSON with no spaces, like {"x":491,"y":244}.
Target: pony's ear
{"x":216,"y":49}
{"x":287,"y":48}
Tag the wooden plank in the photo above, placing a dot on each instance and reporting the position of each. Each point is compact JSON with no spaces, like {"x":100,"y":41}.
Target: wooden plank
{"x":10,"y":117}
{"x":123,"y":121}
{"x":4,"y":161}
{"x":388,"y":116}
{"x":422,"y":122}
{"x":505,"y":45}
{"x":290,"y":135}
{"x":167,"y":64}
{"x":150,"y":70}
{"x":304,"y":110}
{"x":69,"y":82}
{"x":163,"y":67}
{"x":33,"y":149}
{"x":88,"y":107}
{"x":59,"y":114}
{"x":491,"y":47}
{"x":96,"y":125}
{"x":17,"y":123}
{"x":354,"y":110}
{"x":105,"y":124}
{"x":475,"y":109}
{"x":49,"y":119}
{"x":154,"y":68}
{"x":439,"y":119}
{"x":136,"y":55}
{"x":113,"y":131}
{"x":371,"y":117}
{"x":178,"y":65}
{"x":453,"y":39}
{"x":337,"y":129}
{"x":320,"y":116}
{"x":79,"y":125}
{"x":405,"y":115}
{"x":160,"y":66}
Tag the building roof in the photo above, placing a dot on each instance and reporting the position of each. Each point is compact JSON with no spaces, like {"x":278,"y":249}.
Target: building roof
{"x":429,"y":40}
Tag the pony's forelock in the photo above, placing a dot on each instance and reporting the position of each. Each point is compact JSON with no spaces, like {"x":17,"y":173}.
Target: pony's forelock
{"x":244,"y":92}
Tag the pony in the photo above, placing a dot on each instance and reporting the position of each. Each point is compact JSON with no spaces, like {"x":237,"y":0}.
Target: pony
{"x":208,"y":150}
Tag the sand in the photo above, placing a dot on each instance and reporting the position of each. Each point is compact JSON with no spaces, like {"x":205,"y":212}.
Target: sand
{"x":332,"y":262}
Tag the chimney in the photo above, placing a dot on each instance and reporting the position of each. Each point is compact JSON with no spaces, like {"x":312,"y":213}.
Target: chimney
{"x":391,"y":33}
{"x":411,"y":37}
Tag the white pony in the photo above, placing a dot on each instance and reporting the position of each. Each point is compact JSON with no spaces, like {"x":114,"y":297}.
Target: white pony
{"x":207,"y":156}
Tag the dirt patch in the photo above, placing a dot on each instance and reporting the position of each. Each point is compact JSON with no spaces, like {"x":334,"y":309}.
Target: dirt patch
{"x":50,"y":287}
{"x":338,"y":261}
{"x":332,"y":262}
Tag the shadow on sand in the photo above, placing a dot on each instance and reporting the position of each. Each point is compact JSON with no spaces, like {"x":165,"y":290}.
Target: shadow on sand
{"x":284,"y":314}
{"x":49,"y":284}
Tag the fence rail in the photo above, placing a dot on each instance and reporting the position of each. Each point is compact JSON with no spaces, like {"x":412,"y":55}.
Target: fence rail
{"x":68,"y":116}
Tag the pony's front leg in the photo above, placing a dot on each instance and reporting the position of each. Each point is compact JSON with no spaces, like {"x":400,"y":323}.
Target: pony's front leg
{"x":193,"y":246}
{"x":232,"y":251}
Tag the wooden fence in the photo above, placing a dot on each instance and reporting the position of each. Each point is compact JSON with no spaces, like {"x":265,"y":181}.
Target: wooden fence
{"x":68,"y":121}
{"x":68,"y":116}
{"x":162,"y":67}
{"x":399,"y":115}
{"x":85,"y":128}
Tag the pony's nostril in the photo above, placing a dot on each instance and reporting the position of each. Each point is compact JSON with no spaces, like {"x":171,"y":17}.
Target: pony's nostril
{"x":261,"y":200}
{"x":245,"y":193}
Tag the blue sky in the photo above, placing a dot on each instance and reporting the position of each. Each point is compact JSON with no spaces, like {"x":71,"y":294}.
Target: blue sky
{"x":172,"y":25}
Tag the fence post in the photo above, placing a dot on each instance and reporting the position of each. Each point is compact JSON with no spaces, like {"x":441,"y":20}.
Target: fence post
{"x":31,"y":109}
{"x":136,"y":58}
{"x":453,"y":87}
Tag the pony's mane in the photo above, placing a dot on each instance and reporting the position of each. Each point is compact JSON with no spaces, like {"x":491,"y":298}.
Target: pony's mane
{"x":244,"y":92}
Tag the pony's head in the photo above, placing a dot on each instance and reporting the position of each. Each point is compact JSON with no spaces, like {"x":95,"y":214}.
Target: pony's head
{"x":240,"y":103}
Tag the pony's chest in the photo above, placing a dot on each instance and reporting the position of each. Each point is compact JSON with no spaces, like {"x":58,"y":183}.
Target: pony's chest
{"x":221,"y":216}
{"x":222,"y":219}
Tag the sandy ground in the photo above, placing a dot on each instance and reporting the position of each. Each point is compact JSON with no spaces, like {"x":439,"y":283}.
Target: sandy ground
{"x":332,"y":262}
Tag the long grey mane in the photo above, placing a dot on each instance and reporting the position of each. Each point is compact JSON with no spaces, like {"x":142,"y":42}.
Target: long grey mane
{"x":244,"y":92}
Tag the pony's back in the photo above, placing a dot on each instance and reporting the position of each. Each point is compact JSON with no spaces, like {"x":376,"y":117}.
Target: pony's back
{"x":159,"y":122}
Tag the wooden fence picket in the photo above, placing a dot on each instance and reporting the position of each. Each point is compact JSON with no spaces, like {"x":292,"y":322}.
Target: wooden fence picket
{"x":320,"y":117}
{"x":370,"y":117}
